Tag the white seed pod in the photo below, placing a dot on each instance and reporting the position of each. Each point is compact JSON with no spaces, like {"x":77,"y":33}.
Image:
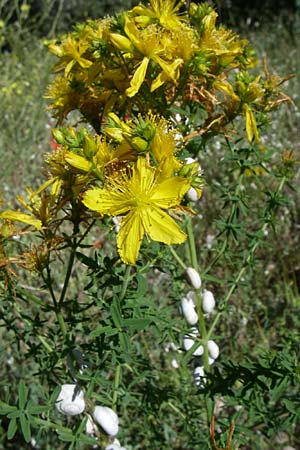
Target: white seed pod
{"x":70,"y":401}
{"x":107,"y":419}
{"x":189,"y":312}
{"x":193,"y":278}
{"x":192,"y":195}
{"x":213,"y":349}
{"x":208,"y":302}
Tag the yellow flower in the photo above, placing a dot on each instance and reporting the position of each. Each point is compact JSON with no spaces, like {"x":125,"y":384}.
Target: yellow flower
{"x":166,"y":11}
{"x":142,"y":200}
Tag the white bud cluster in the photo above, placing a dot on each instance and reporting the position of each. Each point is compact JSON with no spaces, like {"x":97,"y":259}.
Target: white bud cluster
{"x":189,"y":312}
{"x":70,"y":401}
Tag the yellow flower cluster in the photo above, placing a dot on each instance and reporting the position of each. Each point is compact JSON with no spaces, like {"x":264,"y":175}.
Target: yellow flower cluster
{"x":153,"y":58}
{"x":133,"y":171}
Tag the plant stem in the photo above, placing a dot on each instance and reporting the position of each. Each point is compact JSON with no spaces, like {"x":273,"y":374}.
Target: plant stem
{"x":201,"y":318}
{"x":116,"y":387}
{"x":177,"y":257}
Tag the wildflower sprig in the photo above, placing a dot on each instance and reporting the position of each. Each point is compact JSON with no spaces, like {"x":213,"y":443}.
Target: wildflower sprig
{"x":151,"y":86}
{"x":154,"y":49}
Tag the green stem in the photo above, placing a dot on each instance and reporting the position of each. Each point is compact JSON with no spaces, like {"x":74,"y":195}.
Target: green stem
{"x":69,"y":272}
{"x":177,"y":257}
{"x":116,"y":387}
{"x":126,"y":280}
{"x":117,"y":380}
{"x":192,"y":244}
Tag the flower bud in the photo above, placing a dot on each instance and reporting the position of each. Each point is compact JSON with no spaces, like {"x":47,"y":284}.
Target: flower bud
{"x":112,"y":447}
{"x":193,"y":278}
{"x":58,"y":136}
{"x":213,"y":349}
{"x":192,"y":195}
{"x":188,"y":310}
{"x":70,"y":401}
{"x":199,"y":376}
{"x":208,"y":302}
{"x":90,"y":427}
{"x":189,"y":339}
{"x":107,"y":419}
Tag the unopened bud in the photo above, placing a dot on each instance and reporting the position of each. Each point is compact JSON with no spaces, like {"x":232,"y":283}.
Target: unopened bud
{"x":70,"y":401}
{"x":199,"y":376}
{"x":208,"y":302}
{"x":193,"y":278}
{"x":192,"y":195}
{"x":188,"y":310}
{"x":107,"y":419}
{"x":213,"y":349}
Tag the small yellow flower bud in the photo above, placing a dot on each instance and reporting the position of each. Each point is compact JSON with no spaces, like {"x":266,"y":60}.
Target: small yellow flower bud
{"x":139,"y":144}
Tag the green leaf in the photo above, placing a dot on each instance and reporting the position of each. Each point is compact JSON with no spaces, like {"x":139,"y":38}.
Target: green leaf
{"x":25,"y":427}
{"x":66,"y":436}
{"x":6,"y":409}
{"x":12,"y":428}
{"x":142,"y":285}
{"x":136,"y":324}
{"x":37,"y":409}
{"x":116,"y":315}
{"x":107,"y":330}
{"x":23,"y":393}
{"x":89,"y":262}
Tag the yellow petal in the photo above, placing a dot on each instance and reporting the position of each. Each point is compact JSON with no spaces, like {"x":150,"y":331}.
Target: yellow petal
{"x":170,"y":192}
{"x":138,"y":78}
{"x":105,"y":201}
{"x":161,"y":78}
{"x":130,"y":237}
{"x":21,"y":217}
{"x":161,"y":227}
{"x":170,"y":69}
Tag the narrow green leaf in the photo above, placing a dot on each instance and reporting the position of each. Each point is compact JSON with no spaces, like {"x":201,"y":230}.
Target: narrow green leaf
{"x":23,"y":393}
{"x":89,"y":262}
{"x":12,"y":428}
{"x":136,"y":324}
{"x":103,"y":330}
{"x":25,"y":427}
{"x":6,"y":409}
{"x":116,"y":315}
